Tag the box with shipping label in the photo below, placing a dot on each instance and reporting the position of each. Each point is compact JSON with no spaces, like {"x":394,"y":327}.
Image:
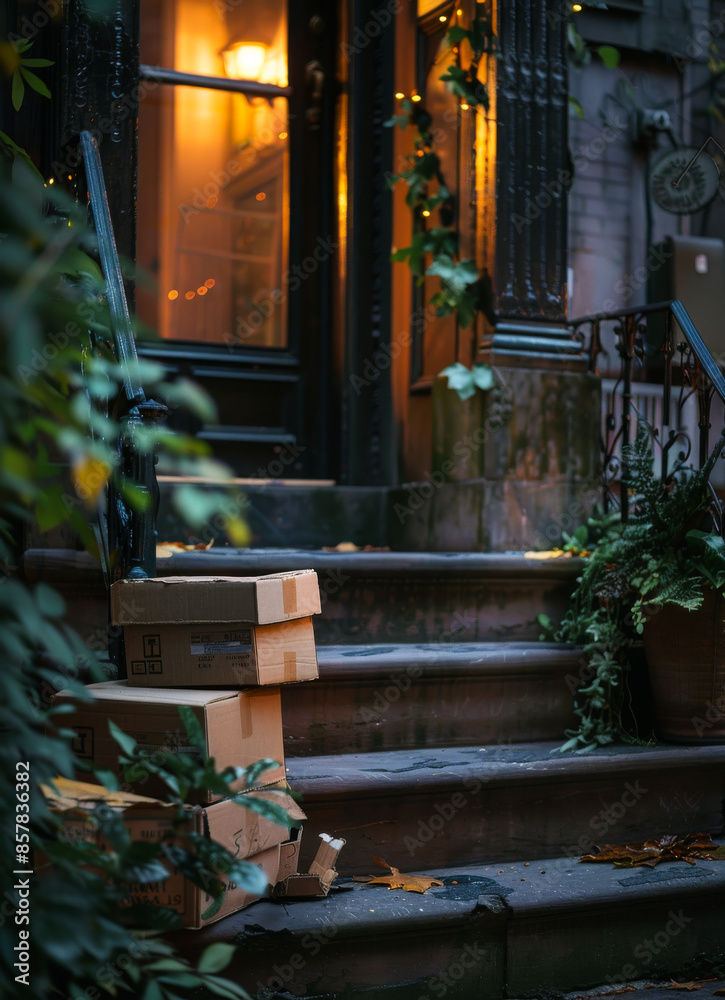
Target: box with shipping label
{"x":240,"y":727}
{"x":316,"y":881}
{"x":257,"y":600}
{"x":244,"y":833}
{"x":206,"y":655}
{"x":203,"y":631}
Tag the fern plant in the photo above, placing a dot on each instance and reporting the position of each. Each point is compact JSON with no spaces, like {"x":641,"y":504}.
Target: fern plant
{"x":659,"y":556}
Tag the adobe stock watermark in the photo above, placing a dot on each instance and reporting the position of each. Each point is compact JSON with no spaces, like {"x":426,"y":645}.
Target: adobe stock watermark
{"x":649,"y":948}
{"x":293,"y":278}
{"x":606,"y":818}
{"x":468,"y":958}
{"x":555,"y":189}
{"x":365,"y":34}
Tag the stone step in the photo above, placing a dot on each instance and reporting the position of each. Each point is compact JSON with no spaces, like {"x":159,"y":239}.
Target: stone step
{"x":493,"y":931}
{"x":432,"y":808}
{"x":399,"y":696}
{"x":368,"y":597}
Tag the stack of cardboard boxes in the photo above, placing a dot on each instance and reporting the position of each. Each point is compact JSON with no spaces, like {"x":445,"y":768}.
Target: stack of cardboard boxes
{"x":221,"y":646}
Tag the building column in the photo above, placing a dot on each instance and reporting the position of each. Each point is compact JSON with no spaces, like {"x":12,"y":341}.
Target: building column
{"x":524,"y":200}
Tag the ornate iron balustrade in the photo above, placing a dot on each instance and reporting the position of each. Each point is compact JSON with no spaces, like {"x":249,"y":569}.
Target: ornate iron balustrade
{"x":656,"y":346}
{"x":128,"y":532}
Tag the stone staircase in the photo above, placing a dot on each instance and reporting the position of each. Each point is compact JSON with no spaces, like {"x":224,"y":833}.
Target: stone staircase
{"x":429,"y":740}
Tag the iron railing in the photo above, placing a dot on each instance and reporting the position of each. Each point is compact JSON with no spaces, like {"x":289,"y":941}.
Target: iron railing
{"x":127,"y":532}
{"x":654,"y":345}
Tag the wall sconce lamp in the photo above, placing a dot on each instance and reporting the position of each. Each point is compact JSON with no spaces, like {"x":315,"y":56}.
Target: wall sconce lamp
{"x":244,"y":60}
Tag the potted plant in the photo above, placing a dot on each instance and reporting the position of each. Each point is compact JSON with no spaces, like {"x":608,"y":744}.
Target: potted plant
{"x":657,"y":576}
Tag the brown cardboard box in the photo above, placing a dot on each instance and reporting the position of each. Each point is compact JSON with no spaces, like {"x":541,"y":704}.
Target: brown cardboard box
{"x":320,"y":876}
{"x":203,"y":655}
{"x":240,"y":726}
{"x":258,"y":600}
{"x":243,"y":832}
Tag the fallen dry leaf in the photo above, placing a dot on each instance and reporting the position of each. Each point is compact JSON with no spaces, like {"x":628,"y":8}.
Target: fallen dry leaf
{"x":684,"y":986}
{"x":548,"y":554}
{"x":352,"y":547}
{"x":408,"y":883}
{"x":691,"y":848}
{"x":166,"y":549}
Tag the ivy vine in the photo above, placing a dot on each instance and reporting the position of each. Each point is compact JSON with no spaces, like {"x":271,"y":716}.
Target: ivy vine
{"x":434,"y":251}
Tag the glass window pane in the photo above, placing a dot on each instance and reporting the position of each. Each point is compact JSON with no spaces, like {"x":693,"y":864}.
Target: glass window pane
{"x":212,"y":199}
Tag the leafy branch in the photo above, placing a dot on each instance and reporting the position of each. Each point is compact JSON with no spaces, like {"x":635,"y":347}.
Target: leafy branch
{"x":21,"y":69}
{"x":434,"y":251}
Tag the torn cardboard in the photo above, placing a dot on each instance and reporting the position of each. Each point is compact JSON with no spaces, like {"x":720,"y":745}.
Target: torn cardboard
{"x":205,"y":655}
{"x":320,"y":876}
{"x":256,"y":600}
{"x":240,"y":727}
{"x":244,"y":833}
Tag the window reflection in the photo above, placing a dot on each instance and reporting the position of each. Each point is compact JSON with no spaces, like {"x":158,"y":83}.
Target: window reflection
{"x":213,"y":176}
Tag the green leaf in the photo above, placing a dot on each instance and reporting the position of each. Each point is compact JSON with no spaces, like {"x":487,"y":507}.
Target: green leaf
{"x":576,"y":106}
{"x":460,"y":379}
{"x":225,"y":988}
{"x":216,"y":957}
{"x":18,"y":91}
{"x":609,"y":56}
{"x":483,"y":376}
{"x":34,"y":81}
{"x":194,"y":730}
{"x":256,"y":770}
{"x":265,"y":807}
{"x":127,"y":743}
{"x":48,"y":601}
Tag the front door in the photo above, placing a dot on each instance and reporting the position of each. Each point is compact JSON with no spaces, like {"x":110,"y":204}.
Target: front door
{"x":235,"y":219}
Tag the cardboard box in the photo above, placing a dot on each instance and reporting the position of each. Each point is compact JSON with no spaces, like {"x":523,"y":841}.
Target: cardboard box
{"x":320,"y":876}
{"x":244,"y":833}
{"x":240,"y":727}
{"x":257,"y":600}
{"x":204,"y":655}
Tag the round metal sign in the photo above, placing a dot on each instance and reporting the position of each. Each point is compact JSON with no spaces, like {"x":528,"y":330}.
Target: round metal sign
{"x":684,"y":180}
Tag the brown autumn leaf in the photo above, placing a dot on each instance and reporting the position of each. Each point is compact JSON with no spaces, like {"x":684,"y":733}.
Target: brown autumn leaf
{"x":166,"y":549}
{"x":396,"y":880}
{"x":684,"y":986}
{"x":691,"y":848}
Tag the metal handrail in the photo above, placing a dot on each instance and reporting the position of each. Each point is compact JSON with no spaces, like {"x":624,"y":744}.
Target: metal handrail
{"x":129,"y":532}
{"x":701,"y":379}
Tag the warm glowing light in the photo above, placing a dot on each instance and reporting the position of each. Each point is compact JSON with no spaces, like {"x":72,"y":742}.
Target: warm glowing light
{"x":399,"y":96}
{"x":443,"y":18}
{"x":459,"y":12}
{"x":70,"y":177}
{"x":261,"y":196}
{"x":202,"y":290}
{"x":244,"y":60}
{"x":173,"y":294}
{"x":426,"y":213}
{"x":464,"y":106}
{"x":577,"y":7}
{"x":51,"y":180}
{"x":283,"y":135}
{"x":190,"y":295}
{"x":416,"y":97}
{"x":211,"y":201}
{"x":210,"y":282}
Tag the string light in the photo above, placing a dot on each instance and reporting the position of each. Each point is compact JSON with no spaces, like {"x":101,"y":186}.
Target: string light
{"x":426,"y":213}
{"x":443,"y":18}
{"x":173,"y":294}
{"x":577,"y":7}
{"x":399,"y":96}
{"x":416,"y":97}
{"x":464,"y":106}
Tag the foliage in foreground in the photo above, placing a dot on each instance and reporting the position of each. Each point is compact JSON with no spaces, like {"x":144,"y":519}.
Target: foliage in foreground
{"x":61,"y":418}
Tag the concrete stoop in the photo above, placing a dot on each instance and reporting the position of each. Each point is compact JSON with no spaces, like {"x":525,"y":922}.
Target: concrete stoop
{"x":535,"y":929}
{"x":466,"y":805}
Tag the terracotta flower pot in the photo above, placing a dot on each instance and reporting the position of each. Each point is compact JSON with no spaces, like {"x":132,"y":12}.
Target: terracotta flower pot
{"x":686,"y":661}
